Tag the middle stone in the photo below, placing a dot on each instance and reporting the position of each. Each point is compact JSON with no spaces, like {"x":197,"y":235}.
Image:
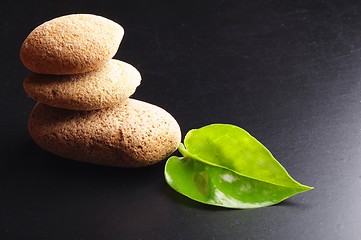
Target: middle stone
{"x":111,"y":84}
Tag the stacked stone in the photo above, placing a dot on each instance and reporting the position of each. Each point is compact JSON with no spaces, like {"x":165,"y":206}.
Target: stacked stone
{"x":84,"y":111}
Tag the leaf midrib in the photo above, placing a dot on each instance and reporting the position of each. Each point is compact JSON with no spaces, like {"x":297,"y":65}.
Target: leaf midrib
{"x":186,"y":154}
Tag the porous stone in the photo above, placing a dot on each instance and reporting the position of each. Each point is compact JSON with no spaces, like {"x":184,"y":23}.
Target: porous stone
{"x":104,"y":87}
{"x":71,"y":44}
{"x":131,"y":134}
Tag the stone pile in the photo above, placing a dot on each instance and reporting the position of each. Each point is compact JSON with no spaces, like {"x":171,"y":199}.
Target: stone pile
{"x":84,"y":111}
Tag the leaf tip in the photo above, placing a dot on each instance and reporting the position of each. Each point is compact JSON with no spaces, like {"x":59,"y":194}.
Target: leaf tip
{"x":306,"y":188}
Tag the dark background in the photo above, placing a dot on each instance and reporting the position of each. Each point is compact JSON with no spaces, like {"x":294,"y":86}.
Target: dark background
{"x":289,"y":72}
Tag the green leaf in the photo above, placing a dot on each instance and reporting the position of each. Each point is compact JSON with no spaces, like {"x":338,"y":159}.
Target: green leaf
{"x":224,"y":165}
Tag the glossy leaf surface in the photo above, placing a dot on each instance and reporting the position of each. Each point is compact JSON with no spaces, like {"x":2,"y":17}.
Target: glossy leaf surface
{"x":225,"y":166}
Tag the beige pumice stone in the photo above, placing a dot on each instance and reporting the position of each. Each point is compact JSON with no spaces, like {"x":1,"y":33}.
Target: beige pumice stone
{"x":131,"y":134}
{"x":71,"y":44}
{"x":104,"y":87}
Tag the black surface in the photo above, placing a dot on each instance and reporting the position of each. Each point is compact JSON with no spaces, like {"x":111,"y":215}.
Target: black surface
{"x":289,"y":72}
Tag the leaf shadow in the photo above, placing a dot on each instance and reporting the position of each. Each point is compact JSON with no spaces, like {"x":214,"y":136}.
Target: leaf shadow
{"x":291,"y":203}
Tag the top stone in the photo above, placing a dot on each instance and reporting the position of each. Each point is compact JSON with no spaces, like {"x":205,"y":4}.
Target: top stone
{"x":71,"y":44}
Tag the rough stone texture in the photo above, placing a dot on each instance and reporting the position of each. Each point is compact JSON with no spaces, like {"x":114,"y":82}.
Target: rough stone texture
{"x":71,"y":44}
{"x":132,"y":134}
{"x":107,"y":86}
